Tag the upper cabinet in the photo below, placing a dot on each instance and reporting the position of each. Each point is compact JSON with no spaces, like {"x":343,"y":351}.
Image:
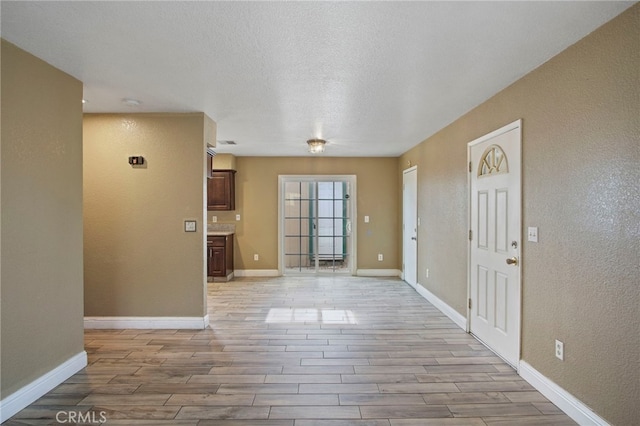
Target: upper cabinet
{"x":221,"y":190}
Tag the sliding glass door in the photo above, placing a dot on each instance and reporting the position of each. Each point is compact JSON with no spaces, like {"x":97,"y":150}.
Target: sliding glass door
{"x":316,"y":228}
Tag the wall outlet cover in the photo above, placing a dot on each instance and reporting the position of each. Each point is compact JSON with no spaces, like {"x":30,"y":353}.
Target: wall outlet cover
{"x":559,"y":350}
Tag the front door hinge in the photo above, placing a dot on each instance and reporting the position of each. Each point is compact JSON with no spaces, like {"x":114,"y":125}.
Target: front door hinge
{"x":470,"y":235}
{"x":469,"y":166}
{"x":469,"y":303}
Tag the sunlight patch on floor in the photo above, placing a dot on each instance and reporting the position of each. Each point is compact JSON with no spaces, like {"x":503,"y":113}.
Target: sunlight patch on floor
{"x":301,"y":315}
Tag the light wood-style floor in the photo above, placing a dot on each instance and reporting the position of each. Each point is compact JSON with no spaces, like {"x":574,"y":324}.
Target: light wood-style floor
{"x":305,"y":351}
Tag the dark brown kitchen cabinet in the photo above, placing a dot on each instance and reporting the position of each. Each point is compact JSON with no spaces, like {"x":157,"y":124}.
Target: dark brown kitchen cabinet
{"x":221,"y":190}
{"x":220,"y":257}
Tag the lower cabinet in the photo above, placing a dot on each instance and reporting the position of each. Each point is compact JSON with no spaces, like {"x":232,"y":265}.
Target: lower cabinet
{"x":220,"y":257}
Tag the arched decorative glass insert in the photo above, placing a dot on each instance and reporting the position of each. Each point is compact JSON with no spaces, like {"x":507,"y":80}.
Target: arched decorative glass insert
{"x":493,"y":162}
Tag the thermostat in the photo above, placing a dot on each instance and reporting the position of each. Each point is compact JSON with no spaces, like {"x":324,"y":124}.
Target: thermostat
{"x":189,"y":226}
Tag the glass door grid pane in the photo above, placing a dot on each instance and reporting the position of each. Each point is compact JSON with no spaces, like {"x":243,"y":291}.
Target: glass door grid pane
{"x":299,"y":225}
{"x":316,"y":225}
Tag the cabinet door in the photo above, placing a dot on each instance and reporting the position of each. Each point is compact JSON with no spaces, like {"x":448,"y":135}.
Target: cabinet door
{"x":215,"y":262}
{"x":221,"y":194}
{"x":228,"y":255}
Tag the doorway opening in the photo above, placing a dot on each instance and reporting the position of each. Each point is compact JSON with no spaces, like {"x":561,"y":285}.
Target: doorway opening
{"x":316,"y":230}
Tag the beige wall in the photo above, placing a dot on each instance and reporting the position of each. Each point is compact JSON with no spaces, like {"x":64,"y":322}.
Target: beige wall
{"x":581,"y":154}
{"x":41,"y":225}
{"x":224,"y":162}
{"x":138,"y":259}
{"x":257,"y":204}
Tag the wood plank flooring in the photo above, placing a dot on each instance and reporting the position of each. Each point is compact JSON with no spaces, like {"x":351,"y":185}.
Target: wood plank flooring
{"x":298,"y":351}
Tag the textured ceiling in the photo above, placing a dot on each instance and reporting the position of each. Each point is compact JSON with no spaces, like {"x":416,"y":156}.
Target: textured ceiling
{"x":373,"y":78}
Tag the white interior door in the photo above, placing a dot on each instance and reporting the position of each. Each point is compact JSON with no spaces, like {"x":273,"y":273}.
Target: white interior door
{"x":494,"y":270}
{"x":410,"y":226}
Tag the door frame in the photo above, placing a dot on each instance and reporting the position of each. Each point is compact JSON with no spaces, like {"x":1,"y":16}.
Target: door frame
{"x":413,"y":169}
{"x":516,"y":125}
{"x":353,"y":198}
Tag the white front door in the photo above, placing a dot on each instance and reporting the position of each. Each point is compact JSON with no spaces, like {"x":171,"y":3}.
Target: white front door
{"x":410,"y":226}
{"x":494,"y":270}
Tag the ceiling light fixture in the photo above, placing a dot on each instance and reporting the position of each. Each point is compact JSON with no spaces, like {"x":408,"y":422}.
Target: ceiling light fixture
{"x":131,"y":102}
{"x":316,"y":146}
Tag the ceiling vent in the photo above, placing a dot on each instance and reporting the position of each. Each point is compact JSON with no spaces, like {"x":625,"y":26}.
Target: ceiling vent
{"x":227,"y":142}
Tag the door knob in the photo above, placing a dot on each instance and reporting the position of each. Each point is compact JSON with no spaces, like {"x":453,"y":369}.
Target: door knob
{"x":414,"y":238}
{"x":512,"y":261}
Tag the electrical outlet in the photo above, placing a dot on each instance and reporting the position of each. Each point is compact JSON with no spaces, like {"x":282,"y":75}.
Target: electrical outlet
{"x":237,"y":217}
{"x":214,"y":219}
{"x":559,"y":350}
{"x":256,"y":257}
{"x":380,"y":257}
{"x":427,"y":273}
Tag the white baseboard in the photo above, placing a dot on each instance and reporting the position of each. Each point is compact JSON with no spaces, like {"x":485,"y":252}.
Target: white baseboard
{"x":573,"y":407}
{"x":443,"y":307}
{"x":378,"y":272}
{"x":184,"y":323}
{"x":568,"y":403}
{"x":34,"y":390}
{"x":256,"y":273}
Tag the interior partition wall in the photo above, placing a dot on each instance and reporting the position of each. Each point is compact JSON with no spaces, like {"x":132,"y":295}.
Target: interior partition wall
{"x":316,"y":228}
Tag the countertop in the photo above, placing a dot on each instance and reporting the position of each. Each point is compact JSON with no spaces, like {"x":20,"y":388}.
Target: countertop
{"x":220,"y":229}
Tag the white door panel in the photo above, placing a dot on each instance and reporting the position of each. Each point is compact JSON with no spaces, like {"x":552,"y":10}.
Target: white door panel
{"x":410,"y":226}
{"x":494,"y":284}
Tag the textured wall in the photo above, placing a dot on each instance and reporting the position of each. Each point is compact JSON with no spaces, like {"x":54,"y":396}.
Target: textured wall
{"x":138,"y":259}
{"x":257,"y":203}
{"x":581,"y":152}
{"x":41,"y":225}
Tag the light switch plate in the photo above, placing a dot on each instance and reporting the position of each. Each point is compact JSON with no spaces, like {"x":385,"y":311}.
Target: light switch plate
{"x":189,"y":226}
{"x":237,"y":217}
{"x":366,"y":219}
{"x":532,"y":234}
